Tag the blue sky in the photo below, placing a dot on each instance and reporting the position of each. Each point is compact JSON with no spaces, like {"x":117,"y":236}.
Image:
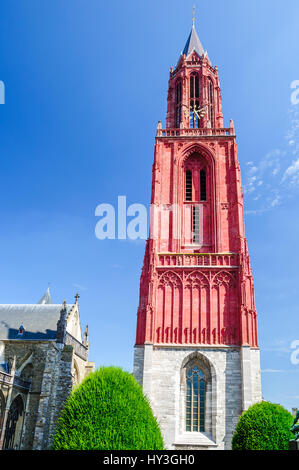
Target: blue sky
{"x":86,"y":83}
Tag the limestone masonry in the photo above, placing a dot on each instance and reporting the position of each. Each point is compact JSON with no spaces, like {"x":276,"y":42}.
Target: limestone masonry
{"x":42,"y":356}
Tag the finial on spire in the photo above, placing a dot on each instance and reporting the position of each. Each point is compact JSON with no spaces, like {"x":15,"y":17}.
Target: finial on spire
{"x":193,"y":15}
{"x":77,"y":297}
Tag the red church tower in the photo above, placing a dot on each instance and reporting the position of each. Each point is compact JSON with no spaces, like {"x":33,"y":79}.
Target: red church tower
{"x":196,"y":352}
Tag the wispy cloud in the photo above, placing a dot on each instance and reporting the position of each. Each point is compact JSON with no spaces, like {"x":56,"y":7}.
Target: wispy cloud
{"x":292,"y":173}
{"x":275,"y":176}
{"x":278,"y":346}
{"x":80,"y":287}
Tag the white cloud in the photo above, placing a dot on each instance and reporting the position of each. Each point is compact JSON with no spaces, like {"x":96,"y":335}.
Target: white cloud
{"x":292,"y":173}
{"x":275,"y":201}
{"x":274,"y":177}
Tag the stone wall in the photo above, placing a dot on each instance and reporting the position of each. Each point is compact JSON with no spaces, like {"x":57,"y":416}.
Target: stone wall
{"x":51,"y":385}
{"x":56,"y":387}
{"x":37,"y":352}
{"x":160,"y":371}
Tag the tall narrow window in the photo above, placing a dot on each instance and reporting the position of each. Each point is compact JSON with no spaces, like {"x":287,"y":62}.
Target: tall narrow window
{"x":203,"y":185}
{"x":188,"y":191}
{"x":194,"y":102}
{"x":194,"y":86}
{"x":195,"y":224}
{"x":211,"y":116}
{"x":178,"y":109}
{"x":195,"y":400}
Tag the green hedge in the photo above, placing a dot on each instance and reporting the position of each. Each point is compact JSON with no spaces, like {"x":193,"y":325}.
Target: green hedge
{"x":108,"y":411}
{"x":264,"y":426}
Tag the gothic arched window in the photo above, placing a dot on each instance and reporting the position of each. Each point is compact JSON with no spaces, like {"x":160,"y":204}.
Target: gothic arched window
{"x":14,"y":424}
{"x":194,"y":101}
{"x":178,"y":103}
{"x":211,"y":115}
{"x":195,"y":399}
{"x":198,"y":200}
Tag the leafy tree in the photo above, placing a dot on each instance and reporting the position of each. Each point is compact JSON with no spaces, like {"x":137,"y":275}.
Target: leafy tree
{"x":108,"y":411}
{"x":264,"y":426}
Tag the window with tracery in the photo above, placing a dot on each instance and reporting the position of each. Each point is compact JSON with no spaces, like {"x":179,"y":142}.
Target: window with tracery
{"x":197,"y":201}
{"x":195,"y":224}
{"x":194,"y":121}
{"x":14,"y":424}
{"x":195,"y":400}
{"x":178,"y":101}
{"x":188,"y":190}
{"x":211,"y":116}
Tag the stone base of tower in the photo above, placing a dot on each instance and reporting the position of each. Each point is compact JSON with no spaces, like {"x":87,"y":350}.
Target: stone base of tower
{"x":233,"y":383}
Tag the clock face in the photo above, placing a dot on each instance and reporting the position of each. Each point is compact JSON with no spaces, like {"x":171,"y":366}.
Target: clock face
{"x":197,"y":110}
{"x":200,"y":112}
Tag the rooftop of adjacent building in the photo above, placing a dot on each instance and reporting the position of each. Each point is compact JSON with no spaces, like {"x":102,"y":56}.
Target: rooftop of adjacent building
{"x":33,"y":321}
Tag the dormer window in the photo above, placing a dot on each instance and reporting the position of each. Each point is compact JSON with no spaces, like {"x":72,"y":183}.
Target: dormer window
{"x":21,"y":330}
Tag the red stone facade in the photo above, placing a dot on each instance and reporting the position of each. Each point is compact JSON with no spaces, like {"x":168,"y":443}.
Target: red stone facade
{"x":196,"y":285}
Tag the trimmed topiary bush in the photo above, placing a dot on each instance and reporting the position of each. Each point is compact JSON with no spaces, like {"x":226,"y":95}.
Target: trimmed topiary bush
{"x":264,"y":426}
{"x":108,"y":411}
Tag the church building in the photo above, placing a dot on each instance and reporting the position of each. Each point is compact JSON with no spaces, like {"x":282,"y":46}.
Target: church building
{"x":196,"y":353}
{"x":42,"y":356}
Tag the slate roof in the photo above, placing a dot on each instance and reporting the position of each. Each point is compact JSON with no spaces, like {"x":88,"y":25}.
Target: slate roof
{"x":193,"y":43}
{"x":38,"y":320}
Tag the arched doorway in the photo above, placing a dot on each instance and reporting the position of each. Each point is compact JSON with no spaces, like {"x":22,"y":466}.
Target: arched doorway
{"x":14,"y":424}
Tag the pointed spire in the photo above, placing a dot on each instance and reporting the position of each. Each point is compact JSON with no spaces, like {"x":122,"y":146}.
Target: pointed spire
{"x":193,"y":43}
{"x":46,"y":298}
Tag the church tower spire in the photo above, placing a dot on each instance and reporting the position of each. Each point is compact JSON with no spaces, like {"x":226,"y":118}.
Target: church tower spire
{"x":193,"y":43}
{"x":196,"y":352}
{"x":194,"y":95}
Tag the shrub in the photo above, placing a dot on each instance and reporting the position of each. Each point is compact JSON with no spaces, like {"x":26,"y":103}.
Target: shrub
{"x":264,"y":426}
{"x":108,"y":411}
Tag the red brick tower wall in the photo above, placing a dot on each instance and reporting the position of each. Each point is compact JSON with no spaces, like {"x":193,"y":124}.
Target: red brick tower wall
{"x":196,"y":285}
